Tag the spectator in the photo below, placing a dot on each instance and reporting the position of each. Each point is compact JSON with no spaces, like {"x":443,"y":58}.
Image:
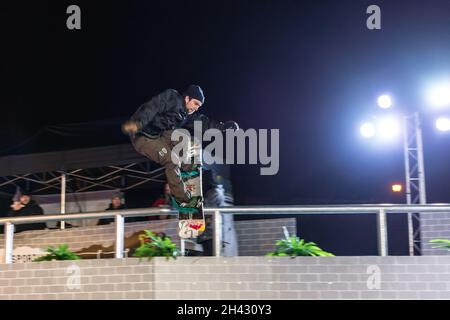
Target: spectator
{"x":117,"y":203}
{"x":25,"y":206}
{"x":162,"y":201}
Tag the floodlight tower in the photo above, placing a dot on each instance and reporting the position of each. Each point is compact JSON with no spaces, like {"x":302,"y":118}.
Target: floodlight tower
{"x":438,"y":96}
{"x":414,"y":171}
{"x":414,"y":177}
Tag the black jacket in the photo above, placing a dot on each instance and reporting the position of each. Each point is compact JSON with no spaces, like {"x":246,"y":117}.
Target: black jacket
{"x":121,"y":207}
{"x":109,"y":220}
{"x":31,"y":209}
{"x":167,"y":111}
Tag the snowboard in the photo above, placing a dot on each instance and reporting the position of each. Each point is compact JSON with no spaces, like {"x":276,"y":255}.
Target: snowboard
{"x":191,"y":220}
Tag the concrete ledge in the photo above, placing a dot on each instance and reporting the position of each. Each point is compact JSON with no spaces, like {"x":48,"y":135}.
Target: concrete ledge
{"x":257,"y":278}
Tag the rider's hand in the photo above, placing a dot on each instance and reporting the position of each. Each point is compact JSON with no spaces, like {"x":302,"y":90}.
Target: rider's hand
{"x":130,"y":127}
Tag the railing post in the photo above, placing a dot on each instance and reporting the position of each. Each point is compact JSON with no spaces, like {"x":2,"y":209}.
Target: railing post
{"x":63,"y":199}
{"x":217,"y":233}
{"x":120,"y":222}
{"x":182,"y":247}
{"x":410,"y":234}
{"x":382,"y":233}
{"x":9,"y":242}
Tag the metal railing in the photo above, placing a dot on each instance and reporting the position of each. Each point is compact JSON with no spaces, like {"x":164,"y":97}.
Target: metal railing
{"x":379,"y":209}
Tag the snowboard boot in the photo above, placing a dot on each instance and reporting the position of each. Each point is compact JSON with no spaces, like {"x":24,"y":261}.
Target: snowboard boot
{"x":191,"y":206}
{"x":190,"y":171}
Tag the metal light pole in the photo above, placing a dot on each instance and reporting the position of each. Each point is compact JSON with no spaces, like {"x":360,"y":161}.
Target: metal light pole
{"x":414,"y":176}
{"x":63,"y":198}
{"x":413,"y":156}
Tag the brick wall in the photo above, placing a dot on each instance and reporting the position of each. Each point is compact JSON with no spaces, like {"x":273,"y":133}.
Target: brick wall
{"x":434,"y":226}
{"x":230,"y":278}
{"x":255,"y":238}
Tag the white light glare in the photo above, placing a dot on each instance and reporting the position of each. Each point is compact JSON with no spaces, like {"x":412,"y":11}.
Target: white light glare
{"x":367,"y":130}
{"x":439,"y":95}
{"x":388,"y":128}
{"x":384,"y":101}
{"x":443,"y":124}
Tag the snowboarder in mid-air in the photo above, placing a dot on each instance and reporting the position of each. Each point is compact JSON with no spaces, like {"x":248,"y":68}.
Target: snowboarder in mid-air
{"x":151,"y":126}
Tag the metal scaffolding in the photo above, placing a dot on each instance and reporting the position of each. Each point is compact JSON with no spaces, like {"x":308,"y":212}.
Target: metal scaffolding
{"x":414,"y":177}
{"x":124,"y":177}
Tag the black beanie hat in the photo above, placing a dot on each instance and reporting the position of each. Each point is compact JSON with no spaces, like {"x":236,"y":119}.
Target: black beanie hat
{"x":195,"y":92}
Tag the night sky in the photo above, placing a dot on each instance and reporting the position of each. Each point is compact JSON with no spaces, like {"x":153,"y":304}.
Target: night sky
{"x":309,"y":68}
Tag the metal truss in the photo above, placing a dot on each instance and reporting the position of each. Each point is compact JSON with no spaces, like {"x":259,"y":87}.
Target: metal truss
{"x":123,"y":177}
{"x":415,"y":177}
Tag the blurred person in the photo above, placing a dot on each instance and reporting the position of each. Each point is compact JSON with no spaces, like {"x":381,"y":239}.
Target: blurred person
{"x":117,"y":203}
{"x":164,"y":202}
{"x":25,"y":206}
{"x":151,"y":126}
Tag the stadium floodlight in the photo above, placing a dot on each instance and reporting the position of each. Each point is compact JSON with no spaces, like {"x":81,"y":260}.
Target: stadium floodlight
{"x":438,"y":95}
{"x":388,"y":128}
{"x":443,"y":124}
{"x":367,"y":130}
{"x":384,"y":101}
{"x":397,"y":187}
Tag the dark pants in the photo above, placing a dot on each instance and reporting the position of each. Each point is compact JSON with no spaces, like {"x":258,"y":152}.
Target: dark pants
{"x":159,"y":150}
{"x":207,"y":247}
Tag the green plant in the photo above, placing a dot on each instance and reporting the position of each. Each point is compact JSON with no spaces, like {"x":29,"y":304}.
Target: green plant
{"x":61,"y":252}
{"x":294,"y":246}
{"x":153,"y":245}
{"x":444,"y":243}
